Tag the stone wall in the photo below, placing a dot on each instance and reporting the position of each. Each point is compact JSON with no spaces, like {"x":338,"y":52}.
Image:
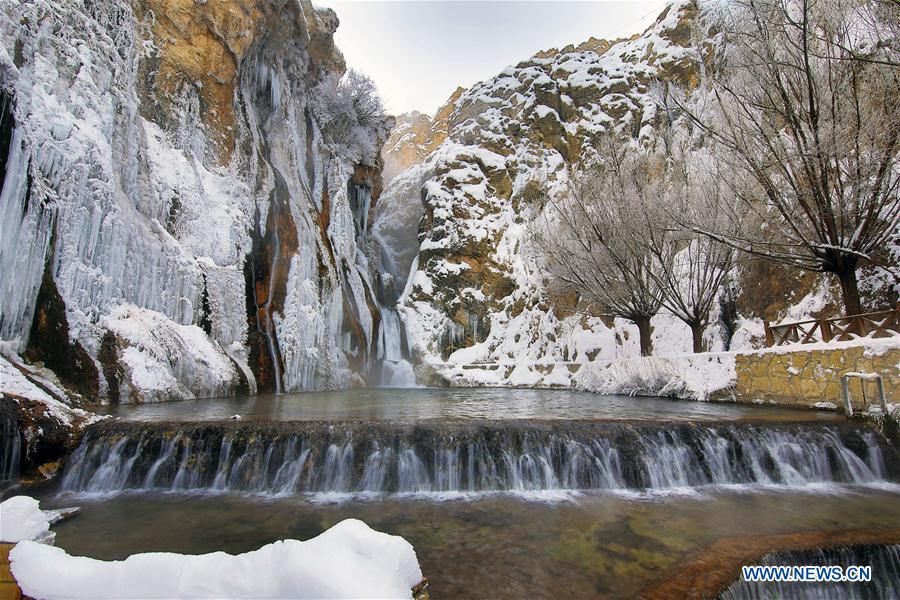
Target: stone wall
{"x":809,"y":377}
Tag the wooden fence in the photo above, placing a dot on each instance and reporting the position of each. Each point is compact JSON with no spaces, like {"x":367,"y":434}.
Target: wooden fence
{"x":880,"y":324}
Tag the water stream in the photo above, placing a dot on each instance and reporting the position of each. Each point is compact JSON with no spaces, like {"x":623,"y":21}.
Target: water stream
{"x":514,"y":493}
{"x":595,"y":546}
{"x":432,"y":457}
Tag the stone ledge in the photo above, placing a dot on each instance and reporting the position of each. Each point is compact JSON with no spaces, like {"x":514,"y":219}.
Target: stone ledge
{"x":809,"y":377}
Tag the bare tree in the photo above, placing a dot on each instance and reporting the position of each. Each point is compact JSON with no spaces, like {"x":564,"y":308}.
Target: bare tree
{"x":805,"y":118}
{"x":692,"y":267}
{"x":593,"y":238}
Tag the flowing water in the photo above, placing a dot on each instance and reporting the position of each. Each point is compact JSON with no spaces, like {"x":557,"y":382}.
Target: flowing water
{"x":507,"y":493}
{"x":884,"y":560}
{"x":432,"y":457}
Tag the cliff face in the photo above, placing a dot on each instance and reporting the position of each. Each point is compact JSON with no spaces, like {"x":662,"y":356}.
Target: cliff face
{"x":456,"y":222}
{"x":416,"y":135}
{"x":473,"y":292}
{"x":180,"y":215}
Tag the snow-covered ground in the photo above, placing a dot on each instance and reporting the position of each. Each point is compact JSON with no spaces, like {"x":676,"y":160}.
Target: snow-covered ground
{"x":350,"y":560}
{"x":687,"y":376}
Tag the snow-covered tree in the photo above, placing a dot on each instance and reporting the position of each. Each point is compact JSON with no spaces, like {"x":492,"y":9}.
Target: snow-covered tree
{"x":618,"y":240}
{"x":692,"y":267}
{"x":804,"y":117}
{"x":352,"y":116}
{"x":593,"y":239}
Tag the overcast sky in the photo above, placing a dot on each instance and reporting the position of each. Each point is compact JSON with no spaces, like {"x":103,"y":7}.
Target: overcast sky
{"x":418,"y":52}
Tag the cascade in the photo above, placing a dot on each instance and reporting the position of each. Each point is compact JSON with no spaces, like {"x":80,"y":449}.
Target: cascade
{"x":392,"y":368}
{"x":360,"y":203}
{"x":305,"y":457}
{"x":279,"y":202}
{"x":396,"y":370}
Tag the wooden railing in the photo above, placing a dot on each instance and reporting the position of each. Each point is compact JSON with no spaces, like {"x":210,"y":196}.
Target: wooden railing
{"x":885,"y":323}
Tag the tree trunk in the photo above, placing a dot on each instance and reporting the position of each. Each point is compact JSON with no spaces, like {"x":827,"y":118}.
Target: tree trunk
{"x":697,"y":335}
{"x":850,"y":291}
{"x":643,"y":325}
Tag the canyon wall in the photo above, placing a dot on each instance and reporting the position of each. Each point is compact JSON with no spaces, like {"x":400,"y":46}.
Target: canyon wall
{"x":456,"y":220}
{"x":183,"y":212}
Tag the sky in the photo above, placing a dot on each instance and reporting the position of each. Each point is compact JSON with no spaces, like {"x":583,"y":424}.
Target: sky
{"x":419,"y":52}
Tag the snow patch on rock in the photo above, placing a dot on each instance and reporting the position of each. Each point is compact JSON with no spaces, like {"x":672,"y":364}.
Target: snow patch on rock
{"x":22,"y":519}
{"x":350,"y":560}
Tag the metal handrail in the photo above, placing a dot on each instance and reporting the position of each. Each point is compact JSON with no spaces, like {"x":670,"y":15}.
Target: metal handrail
{"x":863,"y":377}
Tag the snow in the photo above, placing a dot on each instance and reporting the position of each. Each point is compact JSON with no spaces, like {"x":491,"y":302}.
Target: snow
{"x":168,"y":361}
{"x":692,"y":376}
{"x":14,"y":382}
{"x":497,"y":137}
{"x":350,"y":560}
{"x":22,"y":519}
{"x":695,"y":377}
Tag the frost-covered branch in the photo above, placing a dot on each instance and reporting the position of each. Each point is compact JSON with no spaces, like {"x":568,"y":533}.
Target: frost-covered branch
{"x":806,"y":128}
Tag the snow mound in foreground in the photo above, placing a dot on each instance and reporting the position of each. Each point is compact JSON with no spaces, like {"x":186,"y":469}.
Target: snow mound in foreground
{"x":350,"y":560}
{"x":22,"y":519}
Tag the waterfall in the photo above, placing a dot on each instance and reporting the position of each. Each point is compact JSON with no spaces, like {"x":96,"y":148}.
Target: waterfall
{"x":396,"y":371}
{"x":269,"y":327}
{"x":392,"y":368}
{"x":360,"y":197}
{"x":10,"y":444}
{"x":305,"y":457}
{"x":884,"y":561}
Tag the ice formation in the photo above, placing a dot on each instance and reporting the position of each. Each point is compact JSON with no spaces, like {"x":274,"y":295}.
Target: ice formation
{"x":201,"y":232}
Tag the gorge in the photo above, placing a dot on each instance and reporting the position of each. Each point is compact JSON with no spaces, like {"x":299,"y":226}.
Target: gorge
{"x":240,"y":303}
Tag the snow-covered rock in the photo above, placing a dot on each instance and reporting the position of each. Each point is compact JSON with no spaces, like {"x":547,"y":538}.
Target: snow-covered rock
{"x":21,"y":519}
{"x":350,"y":560}
{"x":181,"y":210}
{"x":455,"y":224}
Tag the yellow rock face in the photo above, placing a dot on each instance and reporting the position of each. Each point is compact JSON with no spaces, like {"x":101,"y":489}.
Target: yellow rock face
{"x":201,"y":43}
{"x":805,"y":378}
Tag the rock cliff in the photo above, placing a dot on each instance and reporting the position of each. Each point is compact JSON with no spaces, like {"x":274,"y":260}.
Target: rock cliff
{"x":182,"y":209}
{"x":473,"y":292}
{"x":456,"y":221}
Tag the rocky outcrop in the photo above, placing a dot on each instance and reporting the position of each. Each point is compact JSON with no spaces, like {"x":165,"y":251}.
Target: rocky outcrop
{"x":415,"y":136}
{"x":179,"y":202}
{"x":474,"y":293}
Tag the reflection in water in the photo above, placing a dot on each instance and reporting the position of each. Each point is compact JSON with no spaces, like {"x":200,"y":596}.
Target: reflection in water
{"x":497,"y":546}
{"x":454,"y":403}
